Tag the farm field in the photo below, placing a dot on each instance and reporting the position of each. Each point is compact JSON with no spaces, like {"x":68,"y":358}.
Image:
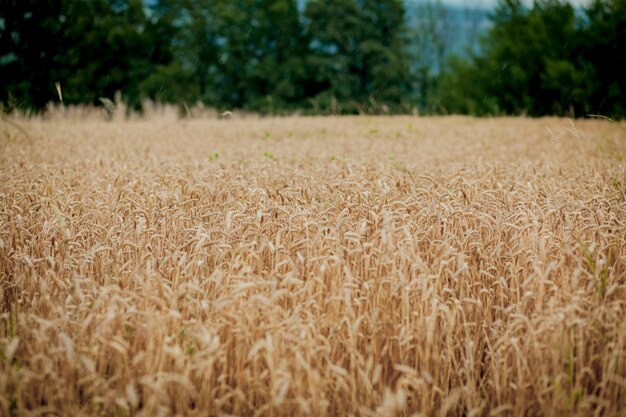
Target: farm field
{"x":339,"y":266}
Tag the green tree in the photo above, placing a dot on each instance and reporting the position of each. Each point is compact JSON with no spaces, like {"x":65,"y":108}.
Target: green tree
{"x":544,"y":60}
{"x":92,"y":47}
{"x":108,"y":48}
{"x":189,"y":28}
{"x":29,"y":30}
{"x":261,"y":66}
{"x":237,"y":54}
{"x":605,"y":51}
{"x":358,"y":55}
{"x":278,"y":73}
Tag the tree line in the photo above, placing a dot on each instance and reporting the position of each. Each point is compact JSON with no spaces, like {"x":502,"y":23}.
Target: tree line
{"x":317,"y":56}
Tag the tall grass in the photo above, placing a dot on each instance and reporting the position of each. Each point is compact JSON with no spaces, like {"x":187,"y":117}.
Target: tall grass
{"x":371,"y":267}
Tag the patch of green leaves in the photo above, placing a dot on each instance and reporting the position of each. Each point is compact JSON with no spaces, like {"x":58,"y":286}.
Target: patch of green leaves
{"x":601,"y":274}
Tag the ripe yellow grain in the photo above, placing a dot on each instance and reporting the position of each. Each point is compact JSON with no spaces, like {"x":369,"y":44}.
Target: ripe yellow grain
{"x":301,"y":266}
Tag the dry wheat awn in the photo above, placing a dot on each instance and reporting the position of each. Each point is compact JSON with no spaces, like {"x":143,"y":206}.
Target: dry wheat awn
{"x":297,"y":266}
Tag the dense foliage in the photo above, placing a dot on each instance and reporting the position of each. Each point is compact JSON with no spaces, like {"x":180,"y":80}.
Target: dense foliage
{"x":342,"y":56}
{"x":546,"y":60}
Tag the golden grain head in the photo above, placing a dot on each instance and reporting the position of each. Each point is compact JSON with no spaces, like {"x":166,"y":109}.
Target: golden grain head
{"x":298,"y":266}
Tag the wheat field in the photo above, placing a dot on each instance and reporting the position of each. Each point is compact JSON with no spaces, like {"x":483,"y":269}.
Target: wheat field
{"x":353,"y":266}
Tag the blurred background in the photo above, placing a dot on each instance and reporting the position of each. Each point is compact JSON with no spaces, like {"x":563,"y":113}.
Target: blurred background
{"x":547,"y":57}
